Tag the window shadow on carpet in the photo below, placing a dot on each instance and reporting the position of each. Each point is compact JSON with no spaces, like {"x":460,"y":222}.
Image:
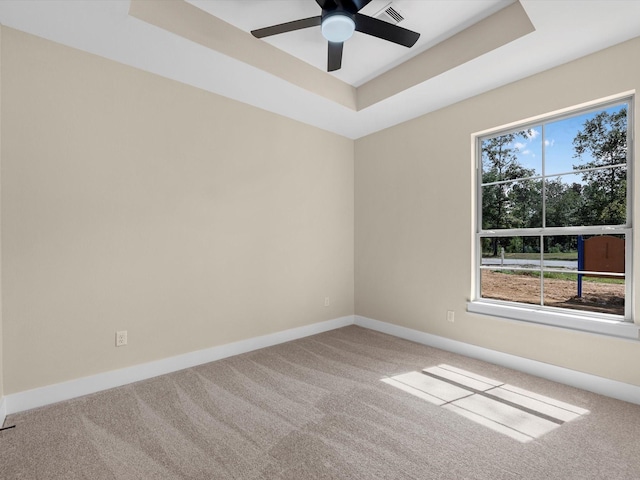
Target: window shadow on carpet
{"x":504,"y":408}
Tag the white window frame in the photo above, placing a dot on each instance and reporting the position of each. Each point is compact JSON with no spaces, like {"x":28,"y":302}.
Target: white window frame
{"x":601,"y":323}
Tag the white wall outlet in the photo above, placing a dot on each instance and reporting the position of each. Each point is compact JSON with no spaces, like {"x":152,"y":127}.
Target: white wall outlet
{"x":451,"y":316}
{"x":121,"y":338}
{"x":326,"y":301}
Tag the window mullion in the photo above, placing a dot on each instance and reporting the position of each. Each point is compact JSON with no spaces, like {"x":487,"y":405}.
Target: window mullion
{"x":544,"y":213}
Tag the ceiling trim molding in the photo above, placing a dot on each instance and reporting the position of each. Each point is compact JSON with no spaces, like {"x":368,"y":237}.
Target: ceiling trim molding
{"x":194,"y":24}
{"x":106,"y":29}
{"x":495,"y":31}
{"x":190,"y":22}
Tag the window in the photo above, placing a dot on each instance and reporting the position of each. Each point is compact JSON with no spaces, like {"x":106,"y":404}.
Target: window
{"x":553,"y":237}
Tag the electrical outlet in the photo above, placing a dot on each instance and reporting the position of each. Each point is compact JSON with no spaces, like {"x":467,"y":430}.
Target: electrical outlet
{"x":121,"y":338}
{"x":451,"y":316}
{"x":326,"y":301}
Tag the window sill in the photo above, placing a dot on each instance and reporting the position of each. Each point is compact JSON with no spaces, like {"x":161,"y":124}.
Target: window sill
{"x":615,"y":328}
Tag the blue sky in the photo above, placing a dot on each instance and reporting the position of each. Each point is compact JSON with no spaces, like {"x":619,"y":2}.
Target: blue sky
{"x":558,"y":144}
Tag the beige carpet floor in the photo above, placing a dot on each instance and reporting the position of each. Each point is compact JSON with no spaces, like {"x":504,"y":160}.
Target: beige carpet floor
{"x":346,"y":404}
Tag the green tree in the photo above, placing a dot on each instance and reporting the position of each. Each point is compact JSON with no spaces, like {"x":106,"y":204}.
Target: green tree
{"x":603,"y":140}
{"x":525,"y":203}
{"x":506,"y":205}
{"x":562,"y":203}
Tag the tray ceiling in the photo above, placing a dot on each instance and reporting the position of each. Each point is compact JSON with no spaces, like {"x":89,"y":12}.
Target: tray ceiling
{"x":378,"y":87}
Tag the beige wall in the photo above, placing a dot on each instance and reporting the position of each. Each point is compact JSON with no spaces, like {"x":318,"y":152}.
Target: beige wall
{"x":414,"y":225}
{"x":1,"y":341}
{"x":131,"y":202}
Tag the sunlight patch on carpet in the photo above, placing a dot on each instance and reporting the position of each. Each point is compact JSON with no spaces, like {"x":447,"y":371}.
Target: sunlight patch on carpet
{"x":506,"y":409}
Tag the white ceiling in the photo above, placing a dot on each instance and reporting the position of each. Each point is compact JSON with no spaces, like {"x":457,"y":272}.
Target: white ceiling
{"x":565,"y":30}
{"x":364,"y":56}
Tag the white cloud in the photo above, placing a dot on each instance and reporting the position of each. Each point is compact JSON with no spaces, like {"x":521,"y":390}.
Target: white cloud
{"x":519,"y":145}
{"x":532,"y":134}
{"x":549,"y":143}
{"x":526,"y":152}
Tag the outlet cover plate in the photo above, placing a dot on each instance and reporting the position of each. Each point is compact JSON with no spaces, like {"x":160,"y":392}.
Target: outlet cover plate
{"x":121,"y":338}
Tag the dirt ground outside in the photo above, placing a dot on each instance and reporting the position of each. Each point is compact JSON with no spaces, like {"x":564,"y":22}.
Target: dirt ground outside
{"x":599,"y":297}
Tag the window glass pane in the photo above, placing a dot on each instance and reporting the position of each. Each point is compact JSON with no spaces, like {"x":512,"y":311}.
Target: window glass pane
{"x":591,"y":198}
{"x":593,"y":139}
{"x":604,"y":197}
{"x":510,"y":285}
{"x":512,"y":156}
{"x":563,"y":201}
{"x":602,"y":253}
{"x":512,"y":205}
{"x":529,"y":151}
{"x":516,"y":252}
{"x":561,"y":252}
{"x":604,"y":295}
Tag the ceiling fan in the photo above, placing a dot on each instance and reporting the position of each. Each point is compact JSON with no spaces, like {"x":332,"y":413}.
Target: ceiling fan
{"x":338,"y":20}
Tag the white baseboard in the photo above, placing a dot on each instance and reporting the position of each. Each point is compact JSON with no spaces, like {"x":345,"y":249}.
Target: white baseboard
{"x":42,"y":396}
{"x":584,"y":381}
{"x":3,"y":410}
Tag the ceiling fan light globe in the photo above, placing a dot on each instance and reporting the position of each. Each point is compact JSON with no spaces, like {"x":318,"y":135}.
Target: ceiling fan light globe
{"x":338,"y":28}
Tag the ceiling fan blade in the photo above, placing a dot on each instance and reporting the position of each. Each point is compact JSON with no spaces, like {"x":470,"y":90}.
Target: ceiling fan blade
{"x":386,"y":31}
{"x":334,"y":59}
{"x":287,"y":27}
{"x":327,"y":4}
{"x":353,"y":6}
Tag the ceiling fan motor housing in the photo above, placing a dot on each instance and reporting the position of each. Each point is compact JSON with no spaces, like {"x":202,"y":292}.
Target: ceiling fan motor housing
{"x":337,"y":25}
